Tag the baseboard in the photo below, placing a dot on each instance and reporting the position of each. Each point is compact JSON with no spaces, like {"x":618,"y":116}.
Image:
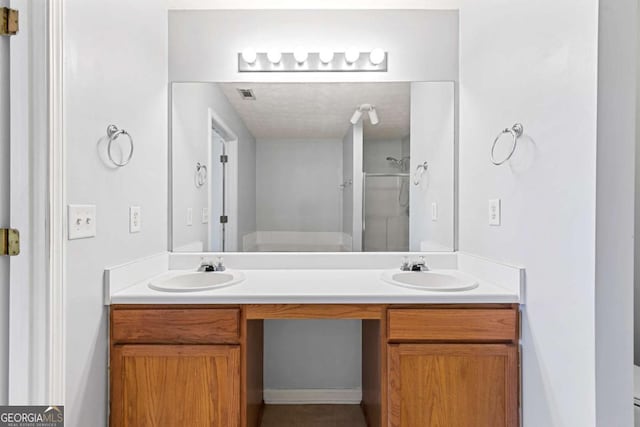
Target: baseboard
{"x":313,"y":396}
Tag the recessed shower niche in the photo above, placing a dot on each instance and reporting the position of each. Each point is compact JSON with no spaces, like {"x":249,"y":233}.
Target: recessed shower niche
{"x":312,"y":167}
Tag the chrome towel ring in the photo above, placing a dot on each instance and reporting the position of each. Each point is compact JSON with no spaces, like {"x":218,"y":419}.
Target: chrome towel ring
{"x":201,"y":175}
{"x":516,"y":132}
{"x":420,"y":170}
{"x":114,"y":133}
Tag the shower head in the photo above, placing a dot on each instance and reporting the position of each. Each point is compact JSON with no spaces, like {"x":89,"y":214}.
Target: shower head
{"x":402,"y":164}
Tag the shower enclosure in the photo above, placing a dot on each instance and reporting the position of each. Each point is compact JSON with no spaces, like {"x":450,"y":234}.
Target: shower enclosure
{"x":385,"y":213}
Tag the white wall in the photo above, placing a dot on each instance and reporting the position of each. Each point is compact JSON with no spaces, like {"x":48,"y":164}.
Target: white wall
{"x":115,"y":72}
{"x":4,"y":212}
{"x":615,"y":170}
{"x":422,"y":45}
{"x":304,"y":354}
{"x":536,"y":63}
{"x":297,"y":184}
{"x":432,"y":141}
{"x":190,"y":127}
{"x":190,"y":145}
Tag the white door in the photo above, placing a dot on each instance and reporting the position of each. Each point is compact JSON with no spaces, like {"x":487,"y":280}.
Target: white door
{"x":24,"y":187}
{"x":432,"y":150}
{"x":4,"y":212}
{"x":216,"y":193}
{"x":19,"y":197}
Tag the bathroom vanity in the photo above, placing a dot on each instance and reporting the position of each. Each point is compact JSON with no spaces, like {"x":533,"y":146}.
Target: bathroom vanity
{"x":428,"y":358}
{"x":422,"y":365}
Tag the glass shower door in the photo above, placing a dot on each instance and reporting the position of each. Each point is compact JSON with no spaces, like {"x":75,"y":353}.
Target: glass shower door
{"x":385,"y":212}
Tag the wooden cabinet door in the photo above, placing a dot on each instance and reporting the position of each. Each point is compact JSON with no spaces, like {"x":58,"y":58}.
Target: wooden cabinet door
{"x":453,"y":385}
{"x":175,"y":385}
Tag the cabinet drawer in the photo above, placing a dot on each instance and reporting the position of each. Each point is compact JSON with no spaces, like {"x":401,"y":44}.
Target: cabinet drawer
{"x":465,"y":324}
{"x":175,"y":326}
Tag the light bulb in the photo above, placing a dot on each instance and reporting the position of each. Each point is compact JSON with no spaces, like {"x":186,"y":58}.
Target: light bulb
{"x":249,"y":55}
{"x":351,"y":55}
{"x":373,"y":116}
{"x":326,"y":56}
{"x":376,"y":56}
{"x":300,"y":55}
{"x":274,"y":56}
{"x":356,"y":116}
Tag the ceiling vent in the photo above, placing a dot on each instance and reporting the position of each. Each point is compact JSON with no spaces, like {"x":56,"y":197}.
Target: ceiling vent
{"x":247,"y":94}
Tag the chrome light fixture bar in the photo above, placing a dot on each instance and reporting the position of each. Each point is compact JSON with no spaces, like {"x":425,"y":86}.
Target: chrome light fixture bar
{"x":258,"y":62}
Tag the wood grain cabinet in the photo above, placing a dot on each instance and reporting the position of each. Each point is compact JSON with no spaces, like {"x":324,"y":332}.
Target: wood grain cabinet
{"x":453,"y":368}
{"x":175,"y":385}
{"x":422,"y":366}
{"x":175,"y":366}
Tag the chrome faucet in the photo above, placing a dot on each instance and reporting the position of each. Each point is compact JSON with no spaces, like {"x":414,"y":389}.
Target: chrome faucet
{"x":208,"y":266}
{"x":419,"y":265}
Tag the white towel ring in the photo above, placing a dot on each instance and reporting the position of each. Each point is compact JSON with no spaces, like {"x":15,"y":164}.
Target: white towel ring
{"x":516,"y":132}
{"x":201,"y":175}
{"x":114,"y":133}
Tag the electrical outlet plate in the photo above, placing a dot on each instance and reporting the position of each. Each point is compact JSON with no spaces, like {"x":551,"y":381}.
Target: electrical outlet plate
{"x":434,"y":211}
{"x":135,"y":219}
{"x":205,"y":215}
{"x":189,"y":216}
{"x":494,"y":212}
{"x":81,"y":221}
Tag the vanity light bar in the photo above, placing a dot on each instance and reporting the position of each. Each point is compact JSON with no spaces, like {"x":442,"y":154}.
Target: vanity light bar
{"x":272,"y":61}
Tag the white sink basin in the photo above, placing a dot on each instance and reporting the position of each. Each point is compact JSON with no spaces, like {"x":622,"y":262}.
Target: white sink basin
{"x":430,"y":280}
{"x":196,"y":281}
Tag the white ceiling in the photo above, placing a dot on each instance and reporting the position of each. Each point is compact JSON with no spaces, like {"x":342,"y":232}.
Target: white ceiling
{"x":320,"y":110}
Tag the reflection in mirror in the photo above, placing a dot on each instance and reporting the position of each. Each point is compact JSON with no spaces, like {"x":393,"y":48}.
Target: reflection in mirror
{"x":312,"y":167}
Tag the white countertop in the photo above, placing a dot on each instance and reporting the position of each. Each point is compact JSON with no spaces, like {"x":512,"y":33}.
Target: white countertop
{"x":314,"y":286}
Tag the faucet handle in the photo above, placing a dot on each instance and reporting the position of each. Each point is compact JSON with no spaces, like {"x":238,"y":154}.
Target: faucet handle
{"x":420,"y":265}
{"x":405,"y":263}
{"x":205,"y":265}
{"x":220,"y":265}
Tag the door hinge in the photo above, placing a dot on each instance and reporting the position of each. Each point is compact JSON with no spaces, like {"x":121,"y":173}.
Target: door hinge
{"x":8,"y":21}
{"x":9,"y":242}
{"x":224,"y":219}
{"x":224,"y":158}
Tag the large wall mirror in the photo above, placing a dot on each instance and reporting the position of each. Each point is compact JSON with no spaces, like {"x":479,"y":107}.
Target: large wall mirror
{"x":313,"y":167}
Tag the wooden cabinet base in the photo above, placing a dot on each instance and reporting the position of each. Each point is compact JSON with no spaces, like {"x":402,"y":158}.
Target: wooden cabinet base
{"x":422,"y":366}
{"x":453,"y":385}
{"x":175,"y":385}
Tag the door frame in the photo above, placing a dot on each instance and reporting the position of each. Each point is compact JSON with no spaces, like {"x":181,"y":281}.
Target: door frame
{"x":57,"y":212}
{"x":231,"y":179}
{"x":36,"y":310}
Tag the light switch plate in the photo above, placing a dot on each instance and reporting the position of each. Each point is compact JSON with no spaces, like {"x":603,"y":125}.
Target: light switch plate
{"x":205,"y":215}
{"x":189,"y":216}
{"x":434,"y":211}
{"x":135,"y":219}
{"x":81,"y":221}
{"x":494,"y":212}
